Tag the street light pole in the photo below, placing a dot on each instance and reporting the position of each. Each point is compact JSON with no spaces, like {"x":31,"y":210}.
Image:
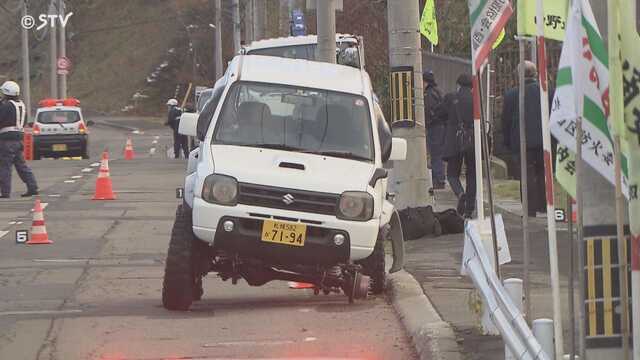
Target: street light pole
{"x":259,"y":19}
{"x":26,"y":71}
{"x":218,"y":39}
{"x":326,"y":19}
{"x":235,"y":10}
{"x":62,"y":81}
{"x":53,"y":58}
{"x":409,"y":178}
{"x":248,"y":22}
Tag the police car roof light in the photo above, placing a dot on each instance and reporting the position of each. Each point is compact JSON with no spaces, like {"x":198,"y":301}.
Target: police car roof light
{"x":59,"y":102}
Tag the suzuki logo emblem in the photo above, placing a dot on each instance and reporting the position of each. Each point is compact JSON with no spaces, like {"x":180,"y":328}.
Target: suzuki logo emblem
{"x":288,"y":199}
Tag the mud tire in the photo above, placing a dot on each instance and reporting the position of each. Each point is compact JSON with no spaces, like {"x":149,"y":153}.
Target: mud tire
{"x":374,"y":265}
{"x":179,"y":285}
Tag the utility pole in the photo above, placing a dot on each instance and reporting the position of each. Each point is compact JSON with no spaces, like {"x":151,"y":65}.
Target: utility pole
{"x":218,"y":39}
{"x":409,"y":180}
{"x":235,"y":12}
{"x":53,"y":58}
{"x":26,"y":71}
{"x":62,"y":53}
{"x":259,"y":19}
{"x":248,"y":22}
{"x":326,"y":19}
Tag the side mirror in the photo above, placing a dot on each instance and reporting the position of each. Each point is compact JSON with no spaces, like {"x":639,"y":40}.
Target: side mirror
{"x":398,"y":149}
{"x":188,"y":124}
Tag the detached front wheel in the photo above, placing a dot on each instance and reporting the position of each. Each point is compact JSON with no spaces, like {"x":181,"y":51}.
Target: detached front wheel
{"x":179,"y":285}
{"x":373,"y":266}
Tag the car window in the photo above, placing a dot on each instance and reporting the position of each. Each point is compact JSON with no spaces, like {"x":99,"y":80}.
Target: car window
{"x":58,"y":117}
{"x":296,"y":119}
{"x":306,"y":52}
{"x":209,"y":109}
{"x":384,"y":133}
{"x":202,"y":100}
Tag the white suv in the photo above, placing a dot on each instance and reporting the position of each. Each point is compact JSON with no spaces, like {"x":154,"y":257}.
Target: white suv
{"x":287,"y":184}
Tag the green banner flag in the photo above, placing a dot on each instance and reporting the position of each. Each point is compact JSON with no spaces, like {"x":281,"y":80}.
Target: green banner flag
{"x":631,"y":87}
{"x":555,"y":21}
{"x":582,"y":91}
{"x":428,"y":23}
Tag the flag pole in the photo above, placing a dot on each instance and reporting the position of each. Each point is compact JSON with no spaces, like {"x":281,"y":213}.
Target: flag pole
{"x":617,"y":117}
{"x":548,"y":169}
{"x":487,"y":163}
{"x":524,"y":194}
{"x":580,"y":239}
{"x":477,"y":141}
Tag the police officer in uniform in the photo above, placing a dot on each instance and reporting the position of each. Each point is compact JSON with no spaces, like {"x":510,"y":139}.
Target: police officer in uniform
{"x":180,"y":142}
{"x":12,"y":118}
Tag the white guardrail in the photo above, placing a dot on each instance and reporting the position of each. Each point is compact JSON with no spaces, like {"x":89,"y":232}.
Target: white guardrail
{"x":504,"y":313}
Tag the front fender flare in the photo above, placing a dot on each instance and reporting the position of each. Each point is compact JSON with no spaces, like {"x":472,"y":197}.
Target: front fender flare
{"x":397,"y":242}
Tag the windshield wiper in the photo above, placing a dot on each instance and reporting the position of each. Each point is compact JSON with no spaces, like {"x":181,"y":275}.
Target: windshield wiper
{"x":274,"y":146}
{"x":340,"y":154}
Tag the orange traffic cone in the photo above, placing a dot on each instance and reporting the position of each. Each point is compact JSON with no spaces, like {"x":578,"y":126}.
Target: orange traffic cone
{"x":38,"y":229}
{"x":128,"y":150}
{"x":104,"y":188}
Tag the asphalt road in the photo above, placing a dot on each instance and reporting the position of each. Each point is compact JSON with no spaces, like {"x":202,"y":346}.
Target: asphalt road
{"x":95,"y":293}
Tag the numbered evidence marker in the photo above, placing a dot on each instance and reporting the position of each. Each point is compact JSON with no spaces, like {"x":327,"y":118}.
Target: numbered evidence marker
{"x":22,"y":236}
{"x":561,"y":215}
{"x":179,"y":193}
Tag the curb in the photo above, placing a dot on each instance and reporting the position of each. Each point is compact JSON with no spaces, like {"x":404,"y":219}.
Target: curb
{"x":432,"y":337}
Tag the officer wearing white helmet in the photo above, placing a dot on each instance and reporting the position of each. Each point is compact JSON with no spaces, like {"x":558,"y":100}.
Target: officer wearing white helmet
{"x":180,"y":142}
{"x":12,"y":119}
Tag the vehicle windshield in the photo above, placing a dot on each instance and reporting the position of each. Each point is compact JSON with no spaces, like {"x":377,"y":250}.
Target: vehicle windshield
{"x":308,"y":52}
{"x":202,"y":100}
{"x":296,"y":119}
{"x":58,"y":117}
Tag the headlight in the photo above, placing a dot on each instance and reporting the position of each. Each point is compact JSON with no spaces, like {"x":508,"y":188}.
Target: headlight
{"x":355,"y":205}
{"x":220,"y":189}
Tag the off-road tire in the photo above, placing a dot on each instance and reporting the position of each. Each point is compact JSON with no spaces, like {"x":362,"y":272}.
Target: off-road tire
{"x":373,"y":266}
{"x":178,"y":287}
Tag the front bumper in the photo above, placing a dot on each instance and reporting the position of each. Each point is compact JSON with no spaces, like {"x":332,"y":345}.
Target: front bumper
{"x":318,"y":248}
{"x":361,"y":236}
{"x":76,"y":143}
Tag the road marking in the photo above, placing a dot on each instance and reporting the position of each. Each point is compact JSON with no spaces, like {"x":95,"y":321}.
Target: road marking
{"x":136,"y":131}
{"x":156,"y":137}
{"x":69,"y":181}
{"x":249,"y":343}
{"x":55,"y":195}
{"x":154,"y":142}
{"x":39,"y":312}
{"x":19,"y":223}
{"x":12,"y":222}
{"x":3,"y":233}
{"x":309,"y":339}
{"x":77,"y":177}
{"x":86,"y":170}
{"x":96,"y":164}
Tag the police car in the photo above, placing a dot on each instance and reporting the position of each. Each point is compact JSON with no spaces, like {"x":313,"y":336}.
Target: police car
{"x":59,"y":130}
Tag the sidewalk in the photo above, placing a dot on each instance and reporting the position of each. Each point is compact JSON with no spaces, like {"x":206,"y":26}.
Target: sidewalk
{"x":436,"y":262}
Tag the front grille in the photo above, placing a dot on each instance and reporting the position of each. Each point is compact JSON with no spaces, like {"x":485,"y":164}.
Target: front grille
{"x":296,"y":200}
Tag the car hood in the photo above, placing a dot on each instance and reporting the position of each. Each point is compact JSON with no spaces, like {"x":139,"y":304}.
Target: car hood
{"x":278,"y":168}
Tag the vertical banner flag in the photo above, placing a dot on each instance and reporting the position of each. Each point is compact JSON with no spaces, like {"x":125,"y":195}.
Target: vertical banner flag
{"x":488,"y":18}
{"x":428,"y":23}
{"x":555,"y":18}
{"x":582,"y":90}
{"x":631,"y":88}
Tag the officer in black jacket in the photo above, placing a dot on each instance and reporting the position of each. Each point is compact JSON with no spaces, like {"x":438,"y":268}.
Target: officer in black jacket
{"x":457,"y":109}
{"x":12,"y":119}
{"x":173,"y":121}
{"x":435,"y":127}
{"x":533,"y":125}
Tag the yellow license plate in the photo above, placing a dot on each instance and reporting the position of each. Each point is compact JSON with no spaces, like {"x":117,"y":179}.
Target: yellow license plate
{"x":284,"y":233}
{"x":59,"y":147}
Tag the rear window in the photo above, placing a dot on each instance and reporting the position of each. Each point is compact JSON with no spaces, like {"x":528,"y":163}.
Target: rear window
{"x":58,"y":117}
